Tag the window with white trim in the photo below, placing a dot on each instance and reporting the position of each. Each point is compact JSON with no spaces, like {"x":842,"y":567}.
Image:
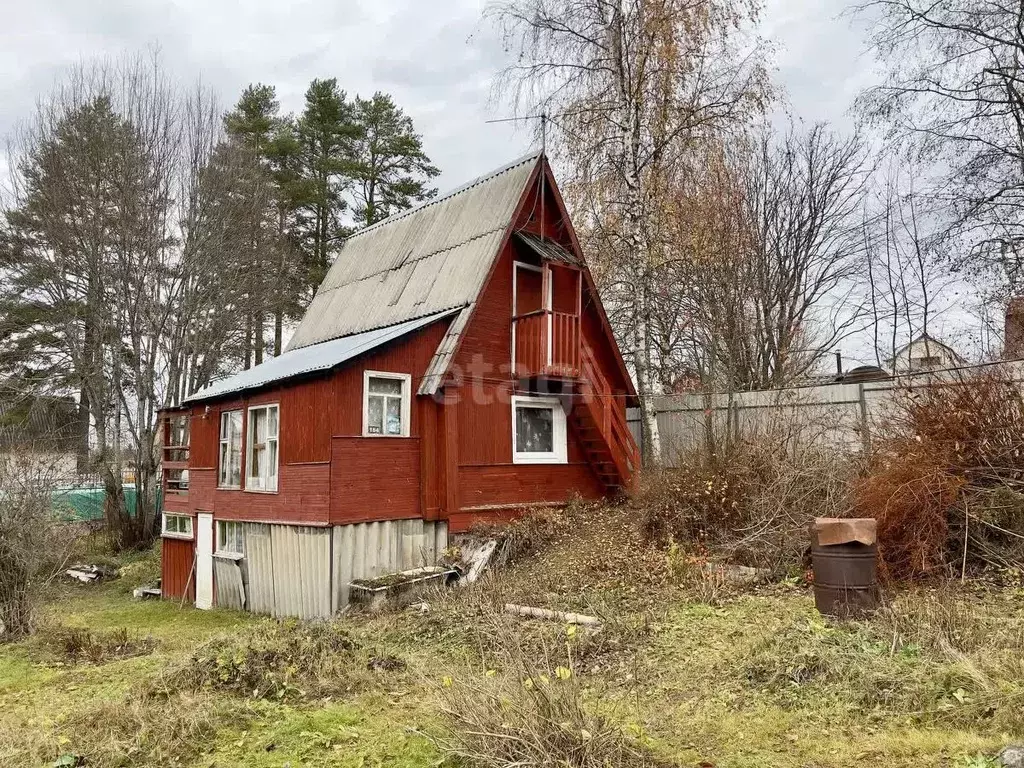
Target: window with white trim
{"x":386,"y":404}
{"x":261,"y":458}
{"x":230,"y":466}
{"x":230,"y":538}
{"x":179,"y":526}
{"x":538,"y":431}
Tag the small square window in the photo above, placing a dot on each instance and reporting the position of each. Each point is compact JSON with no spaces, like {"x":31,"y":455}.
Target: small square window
{"x":538,"y":431}
{"x":386,"y":403}
{"x":230,"y":538}
{"x":177,"y":526}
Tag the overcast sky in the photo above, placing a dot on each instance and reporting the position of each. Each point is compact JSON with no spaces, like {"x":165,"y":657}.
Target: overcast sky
{"x":438,"y":64}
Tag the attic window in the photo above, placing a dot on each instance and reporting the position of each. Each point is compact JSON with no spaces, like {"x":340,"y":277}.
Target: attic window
{"x":386,"y":404}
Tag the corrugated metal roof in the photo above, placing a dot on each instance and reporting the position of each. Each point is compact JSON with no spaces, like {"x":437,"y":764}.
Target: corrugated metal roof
{"x":434,"y":376}
{"x":548,"y":249}
{"x":317,"y":357}
{"x":418,"y":262}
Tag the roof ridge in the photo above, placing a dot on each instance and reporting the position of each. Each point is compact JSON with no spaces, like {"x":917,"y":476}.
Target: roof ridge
{"x":533,"y":156}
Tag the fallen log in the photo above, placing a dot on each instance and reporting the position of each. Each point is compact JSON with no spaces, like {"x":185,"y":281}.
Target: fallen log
{"x":545,"y":613}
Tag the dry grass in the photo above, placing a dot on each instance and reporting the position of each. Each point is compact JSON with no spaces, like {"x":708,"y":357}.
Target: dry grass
{"x":529,"y":709}
{"x":928,"y":655}
{"x":279,"y":660}
{"x":147,"y":728}
{"x":76,"y":645}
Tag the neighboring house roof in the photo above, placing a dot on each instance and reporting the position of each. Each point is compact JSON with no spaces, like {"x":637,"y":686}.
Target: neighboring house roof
{"x":924,"y":337}
{"x":431,"y":258}
{"x":316,"y":357}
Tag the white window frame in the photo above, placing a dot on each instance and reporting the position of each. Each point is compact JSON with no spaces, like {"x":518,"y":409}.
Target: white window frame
{"x":169,"y":534}
{"x":255,"y":483}
{"x":560,"y":454}
{"x":406,"y":409}
{"x":224,"y":551}
{"x":221,"y":441}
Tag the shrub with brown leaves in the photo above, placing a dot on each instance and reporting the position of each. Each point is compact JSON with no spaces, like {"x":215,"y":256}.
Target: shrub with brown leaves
{"x":946,"y":446}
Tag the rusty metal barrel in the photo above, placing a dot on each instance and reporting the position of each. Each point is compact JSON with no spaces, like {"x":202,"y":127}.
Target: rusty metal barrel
{"x":844,"y":557}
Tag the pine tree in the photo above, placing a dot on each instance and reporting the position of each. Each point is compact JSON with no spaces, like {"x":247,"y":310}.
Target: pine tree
{"x":284,"y":154}
{"x":390,"y":168}
{"x":79,"y":245}
{"x":325,"y":132}
{"x":255,"y":127}
{"x":254,"y":118}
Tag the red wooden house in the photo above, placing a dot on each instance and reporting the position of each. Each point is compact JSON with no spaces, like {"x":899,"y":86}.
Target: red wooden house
{"x":455,"y":365}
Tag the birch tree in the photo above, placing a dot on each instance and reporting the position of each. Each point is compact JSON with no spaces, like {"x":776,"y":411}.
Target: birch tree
{"x":630,"y":87}
{"x":954,"y":92}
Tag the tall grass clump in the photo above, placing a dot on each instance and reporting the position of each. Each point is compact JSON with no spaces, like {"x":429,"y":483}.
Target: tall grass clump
{"x":525,"y":708}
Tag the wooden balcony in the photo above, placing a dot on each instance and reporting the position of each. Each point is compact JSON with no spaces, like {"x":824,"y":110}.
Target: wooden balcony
{"x":174,"y":460}
{"x":547,"y":343}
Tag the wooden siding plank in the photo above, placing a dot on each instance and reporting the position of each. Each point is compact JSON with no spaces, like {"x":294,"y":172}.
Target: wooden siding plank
{"x":374,"y":478}
{"x":176,"y":557}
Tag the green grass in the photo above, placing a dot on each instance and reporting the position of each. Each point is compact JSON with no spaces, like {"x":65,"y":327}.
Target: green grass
{"x":701,"y":703}
{"x":757,"y":680}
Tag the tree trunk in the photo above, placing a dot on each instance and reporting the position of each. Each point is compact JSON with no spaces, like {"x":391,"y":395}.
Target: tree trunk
{"x":82,"y":463}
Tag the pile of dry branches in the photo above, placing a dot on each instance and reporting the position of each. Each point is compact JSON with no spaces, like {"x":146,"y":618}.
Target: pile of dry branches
{"x":946,"y":482}
{"x":752,"y":503}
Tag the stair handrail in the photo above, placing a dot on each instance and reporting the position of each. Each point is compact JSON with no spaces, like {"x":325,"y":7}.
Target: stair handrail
{"x":612,"y":423}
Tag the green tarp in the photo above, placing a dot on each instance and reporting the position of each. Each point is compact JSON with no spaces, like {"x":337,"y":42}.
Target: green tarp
{"x":84,"y":504}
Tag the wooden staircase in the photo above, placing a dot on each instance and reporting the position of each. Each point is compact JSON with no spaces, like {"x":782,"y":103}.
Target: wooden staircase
{"x":600,"y":424}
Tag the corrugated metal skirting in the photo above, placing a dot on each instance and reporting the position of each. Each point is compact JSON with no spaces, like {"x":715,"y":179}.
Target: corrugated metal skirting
{"x":368,"y":550}
{"x":227,"y":575}
{"x":301,"y":571}
{"x":259,"y":561}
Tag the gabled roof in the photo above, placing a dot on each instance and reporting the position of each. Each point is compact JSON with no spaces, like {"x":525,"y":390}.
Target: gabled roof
{"x":412,"y":268}
{"x":315,"y":357}
{"x":418,"y":262}
{"x":926,"y":337}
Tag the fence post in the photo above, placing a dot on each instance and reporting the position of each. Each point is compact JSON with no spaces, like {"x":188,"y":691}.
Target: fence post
{"x":865,"y":428}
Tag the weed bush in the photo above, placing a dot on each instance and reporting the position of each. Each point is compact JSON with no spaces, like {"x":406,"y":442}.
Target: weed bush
{"x":282,"y":660}
{"x":75,"y":645}
{"x":526,"y":710}
{"x":752,"y":505}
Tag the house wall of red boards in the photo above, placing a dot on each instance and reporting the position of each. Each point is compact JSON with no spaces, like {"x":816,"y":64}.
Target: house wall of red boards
{"x":457,"y":463}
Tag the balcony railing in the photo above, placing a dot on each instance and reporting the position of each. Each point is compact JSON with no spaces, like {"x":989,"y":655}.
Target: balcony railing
{"x":547,"y":344}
